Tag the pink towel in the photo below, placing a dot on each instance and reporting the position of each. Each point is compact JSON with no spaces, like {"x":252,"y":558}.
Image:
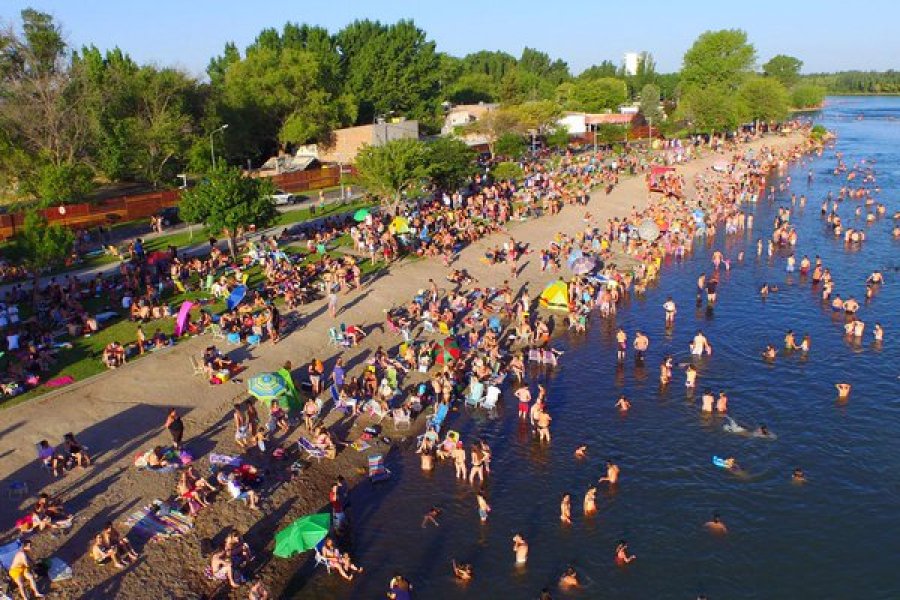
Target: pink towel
{"x":60,"y":381}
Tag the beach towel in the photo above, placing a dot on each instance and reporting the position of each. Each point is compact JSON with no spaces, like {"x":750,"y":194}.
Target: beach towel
{"x":224,"y":460}
{"x":106,"y":316}
{"x":60,"y":381}
{"x":158,"y":521}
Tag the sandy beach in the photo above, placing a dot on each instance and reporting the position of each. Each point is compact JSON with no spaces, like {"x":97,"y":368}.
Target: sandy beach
{"x":121,"y":413}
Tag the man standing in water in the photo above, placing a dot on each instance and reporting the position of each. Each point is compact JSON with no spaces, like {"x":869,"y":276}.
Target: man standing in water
{"x":641,"y":343}
{"x":520,"y":549}
{"x":621,"y":344}
{"x":700,"y":345}
{"x":543,"y":426}
{"x":669,"y":307}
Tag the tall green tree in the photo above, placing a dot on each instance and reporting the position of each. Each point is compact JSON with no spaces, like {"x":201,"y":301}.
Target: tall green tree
{"x":390,"y":69}
{"x":784,"y":68}
{"x":650,"y":103}
{"x":593,"y":95}
{"x":41,"y":246}
{"x":390,"y":170}
{"x":721,"y":58}
{"x":607,"y":68}
{"x":765,"y":99}
{"x":226,"y":201}
{"x":711,"y":109}
{"x":511,"y":146}
{"x":450,"y":162}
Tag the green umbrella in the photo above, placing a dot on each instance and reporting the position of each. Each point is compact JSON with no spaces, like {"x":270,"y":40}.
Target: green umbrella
{"x":267,"y":386}
{"x":360,"y":215}
{"x":302,"y":535}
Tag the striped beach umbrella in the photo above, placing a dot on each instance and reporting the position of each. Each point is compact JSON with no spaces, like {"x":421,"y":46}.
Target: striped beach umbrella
{"x":267,"y":386}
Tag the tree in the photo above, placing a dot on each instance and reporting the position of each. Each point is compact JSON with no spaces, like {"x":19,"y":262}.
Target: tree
{"x":711,"y":109}
{"x":540,"y":64}
{"x":496,"y":123}
{"x":390,"y":170}
{"x":607,"y":68}
{"x":558,"y":138}
{"x":765,"y":99}
{"x":718,"y":59}
{"x":510,"y":145}
{"x":784,"y":68}
{"x":226,"y":201}
{"x":538,"y":115}
{"x":650,"y":103}
{"x":594,"y":95}
{"x":41,"y":110}
{"x":807,"y":95}
{"x":63,"y":184}
{"x":450,"y":163}
{"x":390,"y":69}
{"x":41,"y":246}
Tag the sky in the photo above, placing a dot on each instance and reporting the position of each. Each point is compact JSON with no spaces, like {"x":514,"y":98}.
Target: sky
{"x":187,"y":33}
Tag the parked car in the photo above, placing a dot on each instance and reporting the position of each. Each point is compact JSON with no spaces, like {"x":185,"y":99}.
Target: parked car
{"x":170,"y":216}
{"x":283,"y":198}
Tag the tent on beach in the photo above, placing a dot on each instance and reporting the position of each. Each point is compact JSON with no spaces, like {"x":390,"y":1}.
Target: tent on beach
{"x":555,"y":296}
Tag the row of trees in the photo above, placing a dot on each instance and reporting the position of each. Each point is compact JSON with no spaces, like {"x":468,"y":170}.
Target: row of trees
{"x":857,"y":82}
{"x":71,"y":118}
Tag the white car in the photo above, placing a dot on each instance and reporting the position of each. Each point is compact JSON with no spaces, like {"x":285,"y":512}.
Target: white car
{"x":283,"y":198}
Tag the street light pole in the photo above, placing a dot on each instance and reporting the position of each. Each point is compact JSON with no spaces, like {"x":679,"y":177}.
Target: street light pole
{"x":212,"y":148}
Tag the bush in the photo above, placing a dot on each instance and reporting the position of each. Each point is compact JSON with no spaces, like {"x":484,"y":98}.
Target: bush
{"x":63,"y":184}
{"x":508,"y":171}
{"x":807,"y":96}
{"x":818,"y":132}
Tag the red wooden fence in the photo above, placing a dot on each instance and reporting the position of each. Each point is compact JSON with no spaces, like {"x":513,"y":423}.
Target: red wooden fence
{"x":142,"y":206}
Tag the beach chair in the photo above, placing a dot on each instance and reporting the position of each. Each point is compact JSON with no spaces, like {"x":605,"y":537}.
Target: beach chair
{"x":377,"y":470}
{"x":216,"y":330}
{"x":373,"y":409}
{"x":337,"y":339}
{"x":444,"y":329}
{"x":233,"y":338}
{"x":197,"y":367}
{"x":400,"y":417}
{"x":253,"y":341}
{"x":476,"y":393}
{"x":321,"y":561}
{"x":436,"y":421}
{"x":310,"y":449}
{"x":428,"y":326}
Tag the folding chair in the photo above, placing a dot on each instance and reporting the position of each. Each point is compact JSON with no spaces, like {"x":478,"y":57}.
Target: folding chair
{"x":196,"y":367}
{"x":400,"y":417}
{"x":490,"y":400}
{"x":253,"y":341}
{"x":337,"y":339}
{"x":476,"y":393}
{"x":428,"y":326}
{"x":320,"y":558}
{"x":310,"y":449}
{"x":377,"y":470}
{"x":216,"y":330}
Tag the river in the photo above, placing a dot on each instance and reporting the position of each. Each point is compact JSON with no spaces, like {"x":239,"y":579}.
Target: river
{"x":833,"y":537}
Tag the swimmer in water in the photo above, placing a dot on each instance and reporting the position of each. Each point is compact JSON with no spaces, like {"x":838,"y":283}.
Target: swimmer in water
{"x":565,"y":509}
{"x":462,"y":571}
{"x":590,"y":501}
{"x":622,"y":556}
{"x":731,"y":464}
{"x":623,"y":404}
{"x":520,"y":549}
{"x":581,"y":451}
{"x":431,"y":517}
{"x":707,"y":400}
{"x":762,"y":431}
{"x":770,"y":353}
{"x":690,"y":377}
{"x":843,"y":390}
{"x":612,"y":473}
{"x":716,"y":525}
{"x":722,"y":403}
{"x":569,"y":579}
{"x":798,"y":476}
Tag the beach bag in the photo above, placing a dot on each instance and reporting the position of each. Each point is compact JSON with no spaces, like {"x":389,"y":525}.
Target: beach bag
{"x":185,"y":457}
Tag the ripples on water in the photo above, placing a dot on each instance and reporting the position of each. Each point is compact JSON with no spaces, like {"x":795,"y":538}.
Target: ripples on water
{"x":835,"y":537}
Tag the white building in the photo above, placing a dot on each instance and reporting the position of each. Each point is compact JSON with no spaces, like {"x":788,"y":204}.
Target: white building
{"x":632,"y":60}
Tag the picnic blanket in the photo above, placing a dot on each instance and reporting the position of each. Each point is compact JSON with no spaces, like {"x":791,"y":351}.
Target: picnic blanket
{"x":60,"y":381}
{"x":158,"y":521}
{"x":225,"y":460}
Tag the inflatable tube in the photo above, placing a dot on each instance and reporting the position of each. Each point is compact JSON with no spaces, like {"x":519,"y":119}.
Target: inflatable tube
{"x":719,"y":462}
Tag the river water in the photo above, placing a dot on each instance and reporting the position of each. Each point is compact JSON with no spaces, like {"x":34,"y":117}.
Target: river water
{"x":837,"y":536}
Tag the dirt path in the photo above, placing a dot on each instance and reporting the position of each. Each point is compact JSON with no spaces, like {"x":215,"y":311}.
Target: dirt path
{"x":121,"y":412}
